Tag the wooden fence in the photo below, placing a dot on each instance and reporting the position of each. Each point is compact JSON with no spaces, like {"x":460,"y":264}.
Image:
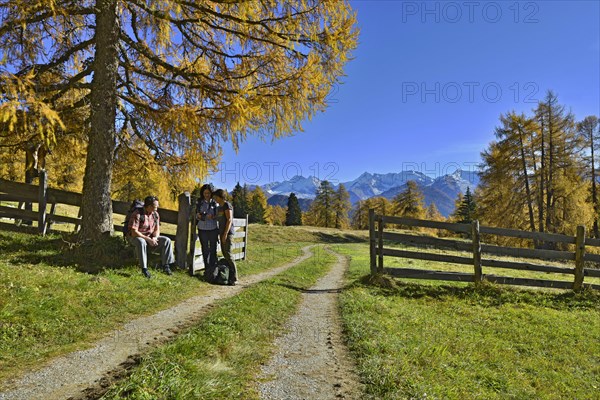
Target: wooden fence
{"x":478,"y":252}
{"x":185,"y":238}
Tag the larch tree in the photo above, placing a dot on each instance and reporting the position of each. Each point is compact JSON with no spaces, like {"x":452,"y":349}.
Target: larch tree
{"x":277,"y":214}
{"x":501,"y":201}
{"x":381,"y":205}
{"x":136,"y":176}
{"x":433,"y":214}
{"x":257,"y":206}
{"x":512,"y":158}
{"x":533,"y":174}
{"x":560,"y":183}
{"x":589,"y":133}
{"x":360,"y":216}
{"x":181,"y":76}
{"x":322,"y":208}
{"x":342,"y":207}
{"x":410,"y":202}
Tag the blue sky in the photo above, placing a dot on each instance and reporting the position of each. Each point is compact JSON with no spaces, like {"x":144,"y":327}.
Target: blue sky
{"x":427,"y":85}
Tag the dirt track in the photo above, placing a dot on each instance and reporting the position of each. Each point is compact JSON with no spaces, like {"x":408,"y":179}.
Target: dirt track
{"x":88,"y":373}
{"x":311,"y":361}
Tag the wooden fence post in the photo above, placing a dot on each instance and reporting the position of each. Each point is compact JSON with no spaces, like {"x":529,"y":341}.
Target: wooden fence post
{"x":246,"y":239}
{"x":78,"y":224}
{"x":579,"y":258}
{"x":380,"y":250}
{"x":372,"y":241}
{"x":183,"y":229}
{"x":49,"y":220}
{"x":42,"y":201}
{"x":192,"y":243}
{"x":476,"y":250}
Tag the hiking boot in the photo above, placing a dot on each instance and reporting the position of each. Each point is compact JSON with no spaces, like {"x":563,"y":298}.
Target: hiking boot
{"x":146,"y":273}
{"x":167,"y":270}
{"x":232,"y":283}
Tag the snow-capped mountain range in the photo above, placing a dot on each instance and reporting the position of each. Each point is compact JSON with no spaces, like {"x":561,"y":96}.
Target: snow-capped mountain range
{"x":304,"y":188}
{"x":442,"y":191}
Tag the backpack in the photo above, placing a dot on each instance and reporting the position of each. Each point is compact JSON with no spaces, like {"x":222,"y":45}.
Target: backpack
{"x":220,"y":275}
{"x":137,"y":205}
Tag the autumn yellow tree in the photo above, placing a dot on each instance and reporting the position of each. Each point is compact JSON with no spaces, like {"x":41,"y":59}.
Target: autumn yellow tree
{"x":342,"y":207}
{"x":181,"y":76}
{"x":258,"y":210}
{"x":588,"y":131}
{"x":322,"y":210}
{"x":34,"y":130}
{"x":433,"y":214}
{"x":360,"y":217}
{"x":277,"y":215}
{"x":533,"y":175}
{"x":136,"y":175}
{"x":409,"y":203}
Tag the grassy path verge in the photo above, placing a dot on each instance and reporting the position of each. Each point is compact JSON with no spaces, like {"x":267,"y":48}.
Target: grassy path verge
{"x":421,"y":340}
{"x":311,"y":360}
{"x":49,"y":308}
{"x":219,"y":358}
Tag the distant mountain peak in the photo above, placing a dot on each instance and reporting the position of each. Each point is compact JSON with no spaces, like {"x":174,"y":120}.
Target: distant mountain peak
{"x":442,"y":191}
{"x":301,"y":186}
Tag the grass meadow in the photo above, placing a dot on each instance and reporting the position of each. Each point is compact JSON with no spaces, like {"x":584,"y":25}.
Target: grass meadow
{"x":51,"y":304}
{"x":411,"y":339}
{"x":415,"y":339}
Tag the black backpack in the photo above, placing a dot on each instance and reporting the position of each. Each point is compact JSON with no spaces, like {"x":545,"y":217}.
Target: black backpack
{"x":137,"y":205}
{"x":220,"y":274}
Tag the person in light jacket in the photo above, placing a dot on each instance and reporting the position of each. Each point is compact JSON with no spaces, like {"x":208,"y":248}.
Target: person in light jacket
{"x":208,"y":231}
{"x":226,"y":231}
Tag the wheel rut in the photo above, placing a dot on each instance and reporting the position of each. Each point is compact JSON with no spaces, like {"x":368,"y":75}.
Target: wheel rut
{"x":311,"y":360}
{"x":87,"y":374}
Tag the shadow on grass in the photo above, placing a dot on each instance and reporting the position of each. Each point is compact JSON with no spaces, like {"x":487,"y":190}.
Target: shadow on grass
{"x":309,"y":291}
{"x":484,"y":294}
{"x":20,"y":246}
{"x":326,"y":237}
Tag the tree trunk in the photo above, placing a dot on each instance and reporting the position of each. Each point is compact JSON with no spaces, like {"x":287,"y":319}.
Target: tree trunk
{"x":550,"y":183}
{"x":548,"y":204}
{"x":594,"y":192}
{"x":542,"y":177}
{"x":96,"y":204}
{"x":526,"y":176}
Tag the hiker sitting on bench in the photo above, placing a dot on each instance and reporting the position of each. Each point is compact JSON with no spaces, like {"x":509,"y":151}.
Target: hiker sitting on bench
{"x":144,"y":235}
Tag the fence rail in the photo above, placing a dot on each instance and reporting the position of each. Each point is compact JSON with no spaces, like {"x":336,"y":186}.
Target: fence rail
{"x":479,"y":251}
{"x":186,"y":253}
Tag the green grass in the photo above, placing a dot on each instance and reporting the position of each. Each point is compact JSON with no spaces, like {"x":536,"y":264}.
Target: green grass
{"x":441,"y":266}
{"x":49,"y":305}
{"x":291,"y":234}
{"x":220,"y":357}
{"x":442,"y":341}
